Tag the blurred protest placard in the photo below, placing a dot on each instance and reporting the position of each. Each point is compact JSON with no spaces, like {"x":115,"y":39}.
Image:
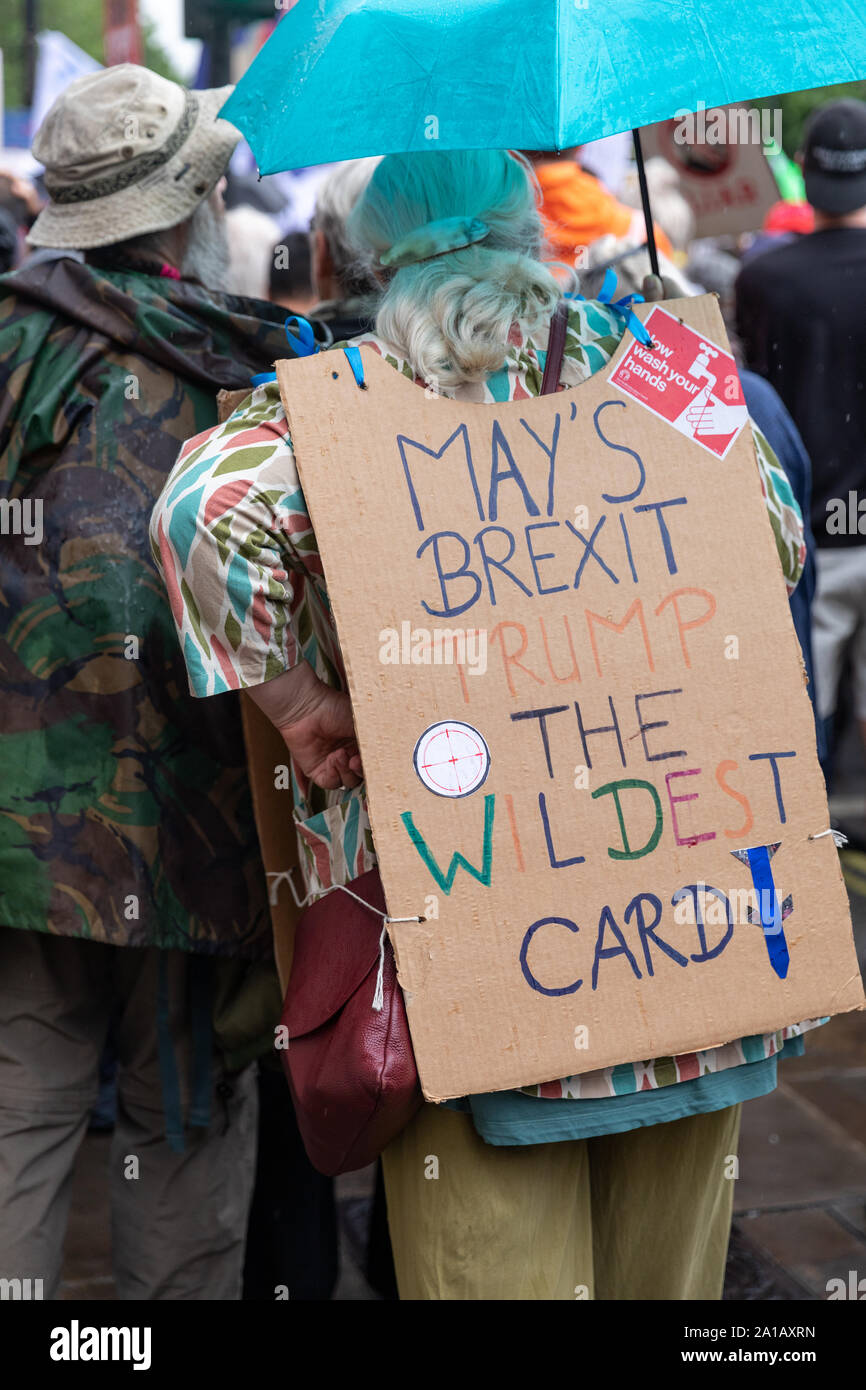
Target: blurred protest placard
{"x":719,"y":156}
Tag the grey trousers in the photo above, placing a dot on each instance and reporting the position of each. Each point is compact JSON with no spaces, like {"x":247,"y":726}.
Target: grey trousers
{"x":178,"y":1219}
{"x":839,"y":625}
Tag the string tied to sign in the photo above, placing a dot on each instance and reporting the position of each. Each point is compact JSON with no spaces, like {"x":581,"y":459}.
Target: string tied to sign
{"x":286,"y":877}
{"x":839,"y":840}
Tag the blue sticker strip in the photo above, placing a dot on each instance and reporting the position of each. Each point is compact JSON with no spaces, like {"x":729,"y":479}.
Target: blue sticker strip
{"x":758,"y":860}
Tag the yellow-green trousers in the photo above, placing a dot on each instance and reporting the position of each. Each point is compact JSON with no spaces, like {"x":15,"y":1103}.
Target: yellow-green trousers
{"x":640,"y":1215}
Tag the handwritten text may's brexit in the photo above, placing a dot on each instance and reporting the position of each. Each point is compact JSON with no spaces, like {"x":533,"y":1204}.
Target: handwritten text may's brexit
{"x":497,"y":560}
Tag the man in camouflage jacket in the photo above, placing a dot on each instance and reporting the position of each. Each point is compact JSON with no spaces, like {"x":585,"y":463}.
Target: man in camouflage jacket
{"x":128,"y":853}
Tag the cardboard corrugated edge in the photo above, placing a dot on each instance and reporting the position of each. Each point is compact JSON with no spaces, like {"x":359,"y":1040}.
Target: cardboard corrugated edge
{"x":272,"y":808}
{"x":275,"y":823}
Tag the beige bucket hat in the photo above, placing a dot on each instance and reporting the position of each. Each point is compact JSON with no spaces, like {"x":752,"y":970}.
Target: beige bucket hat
{"x":127,"y":152}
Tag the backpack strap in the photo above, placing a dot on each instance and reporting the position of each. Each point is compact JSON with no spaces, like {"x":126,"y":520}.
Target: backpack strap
{"x":555,"y":349}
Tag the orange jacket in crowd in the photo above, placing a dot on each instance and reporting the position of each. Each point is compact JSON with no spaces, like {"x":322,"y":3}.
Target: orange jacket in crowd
{"x":578,"y":209}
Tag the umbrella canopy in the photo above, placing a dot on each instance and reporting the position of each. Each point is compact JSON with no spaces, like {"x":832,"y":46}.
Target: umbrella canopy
{"x":342,"y":78}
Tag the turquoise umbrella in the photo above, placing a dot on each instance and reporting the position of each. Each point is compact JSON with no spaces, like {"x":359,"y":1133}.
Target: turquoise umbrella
{"x":342,"y":78}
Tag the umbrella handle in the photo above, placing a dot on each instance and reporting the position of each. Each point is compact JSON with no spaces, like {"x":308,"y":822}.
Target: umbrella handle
{"x":645,"y":203}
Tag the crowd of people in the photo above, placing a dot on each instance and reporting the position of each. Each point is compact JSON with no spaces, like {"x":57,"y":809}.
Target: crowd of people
{"x":177,"y":565}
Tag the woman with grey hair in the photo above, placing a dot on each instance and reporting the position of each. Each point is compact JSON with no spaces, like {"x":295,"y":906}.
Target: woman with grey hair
{"x":593,"y":1186}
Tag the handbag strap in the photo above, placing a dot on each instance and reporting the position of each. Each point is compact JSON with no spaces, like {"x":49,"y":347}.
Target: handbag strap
{"x":555,"y":349}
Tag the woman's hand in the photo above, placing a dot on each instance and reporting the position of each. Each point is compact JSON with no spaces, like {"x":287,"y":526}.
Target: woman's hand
{"x":323,"y":744}
{"x":316,"y":724}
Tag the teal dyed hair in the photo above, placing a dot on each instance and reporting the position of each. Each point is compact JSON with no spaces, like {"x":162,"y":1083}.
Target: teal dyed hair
{"x":450,"y":317}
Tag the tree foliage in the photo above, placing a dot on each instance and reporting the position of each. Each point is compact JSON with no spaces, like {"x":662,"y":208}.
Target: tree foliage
{"x":80,"y":21}
{"x":796,"y":106}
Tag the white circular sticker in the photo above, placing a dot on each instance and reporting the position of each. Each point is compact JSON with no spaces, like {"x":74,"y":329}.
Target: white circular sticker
{"x":451,"y":759}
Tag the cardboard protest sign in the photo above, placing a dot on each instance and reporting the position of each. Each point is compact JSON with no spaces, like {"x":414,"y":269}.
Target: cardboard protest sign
{"x":719,"y":156}
{"x":589,"y":750}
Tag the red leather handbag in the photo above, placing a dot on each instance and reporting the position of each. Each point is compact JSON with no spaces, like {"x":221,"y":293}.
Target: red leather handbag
{"x":351,"y":1068}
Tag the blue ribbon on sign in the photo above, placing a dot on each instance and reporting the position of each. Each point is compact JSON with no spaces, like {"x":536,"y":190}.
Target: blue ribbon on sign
{"x":622,"y":306}
{"x":353,"y":357}
{"x":303,"y":344}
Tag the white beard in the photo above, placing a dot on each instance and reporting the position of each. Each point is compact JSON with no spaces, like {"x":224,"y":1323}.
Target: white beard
{"x":206,"y":257}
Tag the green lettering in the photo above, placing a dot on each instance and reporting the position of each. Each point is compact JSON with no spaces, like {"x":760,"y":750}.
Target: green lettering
{"x":614,"y":789}
{"x":446,"y":881}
